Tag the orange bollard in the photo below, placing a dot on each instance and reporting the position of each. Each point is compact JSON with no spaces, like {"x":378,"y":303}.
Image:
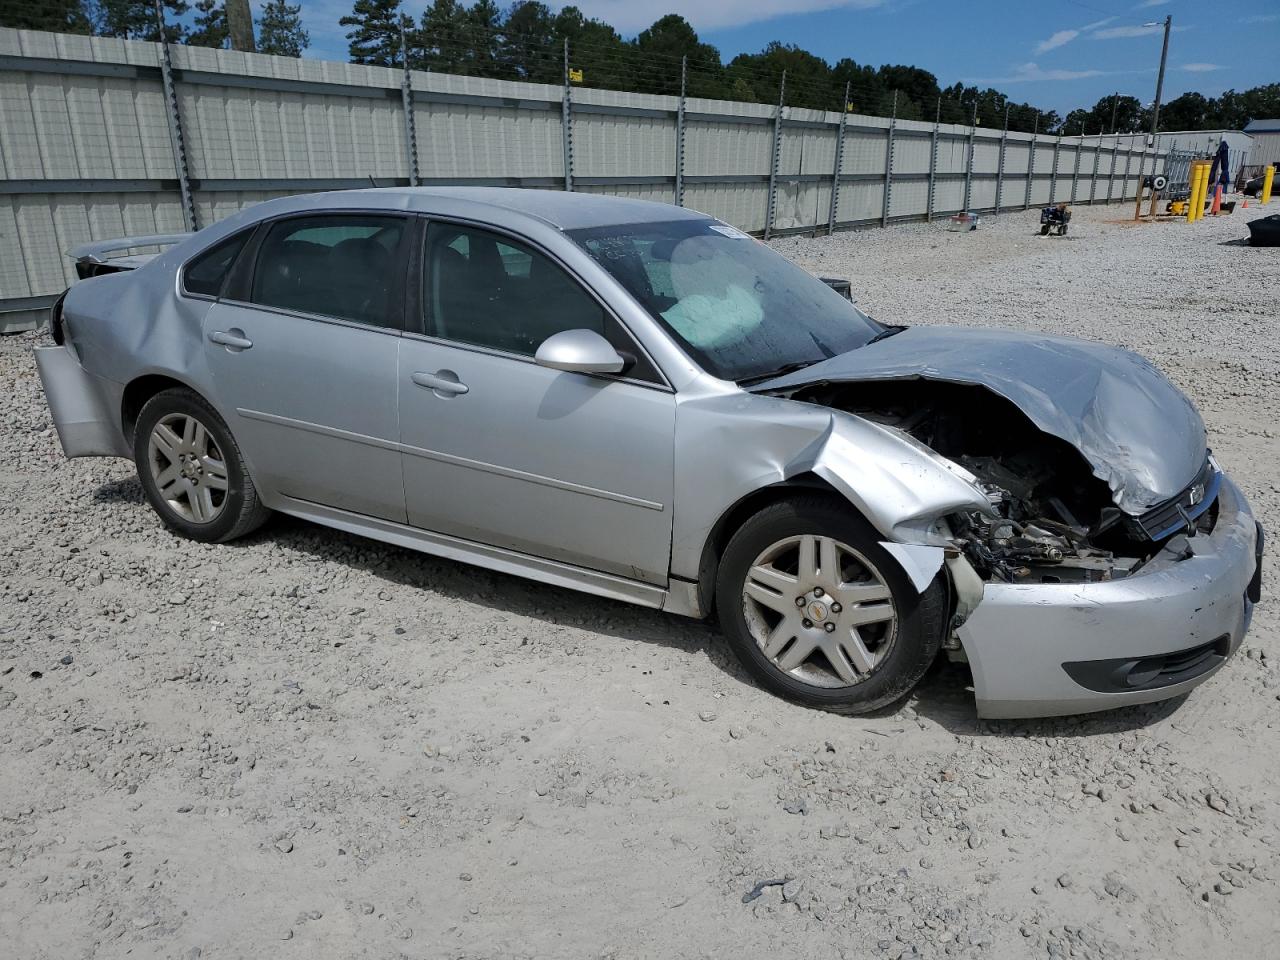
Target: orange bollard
{"x":1217,"y":200}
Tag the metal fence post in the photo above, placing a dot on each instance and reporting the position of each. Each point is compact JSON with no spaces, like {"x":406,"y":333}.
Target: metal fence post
{"x":1111,"y":174}
{"x":1128,"y":162}
{"x":1031,"y":163}
{"x":406,"y":97}
{"x":1004,"y":139}
{"x":835,"y":177}
{"x":684,"y":76}
{"x":1075,"y":170}
{"x":1053,"y":177}
{"x":176,"y":140}
{"x":775,"y":159}
{"x":1097,"y":158}
{"x":968,"y":170}
{"x":566,"y":122}
{"x":888,"y":163}
{"x":933,"y":163}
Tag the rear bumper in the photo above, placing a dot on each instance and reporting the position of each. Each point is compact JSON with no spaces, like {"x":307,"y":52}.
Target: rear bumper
{"x":85,"y":408}
{"x":1041,"y":650}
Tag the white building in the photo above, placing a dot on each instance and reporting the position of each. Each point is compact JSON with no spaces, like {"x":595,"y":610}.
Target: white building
{"x":1266,"y":137}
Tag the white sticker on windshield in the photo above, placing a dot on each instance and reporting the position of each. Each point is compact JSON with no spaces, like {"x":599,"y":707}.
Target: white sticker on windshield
{"x":733,"y":233}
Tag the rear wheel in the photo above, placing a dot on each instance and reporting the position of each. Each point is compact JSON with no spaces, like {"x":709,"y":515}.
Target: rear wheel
{"x":192,"y":471}
{"x":819,"y":613}
{"x":1044,"y":229}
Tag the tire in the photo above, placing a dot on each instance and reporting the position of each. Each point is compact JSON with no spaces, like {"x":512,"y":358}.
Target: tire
{"x":1062,"y":231}
{"x":893,"y":656}
{"x":192,"y":471}
{"x":1044,"y":230}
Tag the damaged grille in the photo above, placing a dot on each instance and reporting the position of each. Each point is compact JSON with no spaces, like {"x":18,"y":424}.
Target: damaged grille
{"x":1178,"y":514}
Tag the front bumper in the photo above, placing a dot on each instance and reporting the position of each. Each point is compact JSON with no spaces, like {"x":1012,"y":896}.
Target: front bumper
{"x":1040,"y":650}
{"x":85,"y":408}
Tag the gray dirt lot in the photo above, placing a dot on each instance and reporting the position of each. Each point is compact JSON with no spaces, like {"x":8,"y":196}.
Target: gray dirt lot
{"x":311,"y":745}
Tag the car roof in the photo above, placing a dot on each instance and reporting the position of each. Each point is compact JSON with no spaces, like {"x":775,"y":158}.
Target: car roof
{"x":567,"y":211}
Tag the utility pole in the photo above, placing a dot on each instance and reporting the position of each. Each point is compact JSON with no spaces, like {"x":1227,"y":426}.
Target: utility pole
{"x":1115,"y":103}
{"x":1164,"y":57}
{"x":240,"y":25}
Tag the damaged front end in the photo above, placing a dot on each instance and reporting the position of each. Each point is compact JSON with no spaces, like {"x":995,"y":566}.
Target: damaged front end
{"x":1088,"y":457}
{"x":1051,"y":519}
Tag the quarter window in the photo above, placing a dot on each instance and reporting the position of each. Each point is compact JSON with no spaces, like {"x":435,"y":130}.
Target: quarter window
{"x":491,"y":291}
{"x":343,"y":266}
{"x":206,"y":274}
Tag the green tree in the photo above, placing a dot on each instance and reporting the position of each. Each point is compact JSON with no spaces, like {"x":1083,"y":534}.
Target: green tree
{"x":809,"y":78}
{"x":529,"y":49}
{"x":1121,"y":113}
{"x":136,"y":19}
{"x":659,"y":50}
{"x":57,"y":16}
{"x":280,"y":29}
{"x":866,"y":91}
{"x":210,"y":25}
{"x":374,"y":37}
{"x":596,"y":49}
{"x":1191,"y":111}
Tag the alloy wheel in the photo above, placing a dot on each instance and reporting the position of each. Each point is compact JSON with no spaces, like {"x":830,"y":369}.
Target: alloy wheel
{"x":819,"y":611}
{"x":188,"y":468}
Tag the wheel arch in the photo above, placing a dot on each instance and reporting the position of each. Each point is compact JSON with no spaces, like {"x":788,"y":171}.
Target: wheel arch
{"x":743,"y":509}
{"x":141,"y":389}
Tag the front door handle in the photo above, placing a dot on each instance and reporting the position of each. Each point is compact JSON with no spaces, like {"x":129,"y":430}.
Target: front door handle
{"x":235,"y":339}
{"x":445,"y":383}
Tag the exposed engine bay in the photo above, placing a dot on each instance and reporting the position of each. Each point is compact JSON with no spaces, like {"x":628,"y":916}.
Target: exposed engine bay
{"x":1053,"y":520}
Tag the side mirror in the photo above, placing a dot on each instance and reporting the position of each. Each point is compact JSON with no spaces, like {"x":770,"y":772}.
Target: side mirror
{"x":579,"y":351}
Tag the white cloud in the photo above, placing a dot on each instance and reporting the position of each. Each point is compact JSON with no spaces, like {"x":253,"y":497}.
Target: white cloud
{"x":1063,"y":37}
{"x":1029,"y":72}
{"x":1117,"y":33}
{"x":1146,"y":30}
{"x":1150,"y":3}
{"x":1200,"y":67}
{"x":1261,"y":18}
{"x":629,"y":16}
{"x":1057,"y":40}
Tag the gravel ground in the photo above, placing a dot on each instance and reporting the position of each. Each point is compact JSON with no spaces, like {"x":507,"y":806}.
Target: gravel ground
{"x":312,"y":745}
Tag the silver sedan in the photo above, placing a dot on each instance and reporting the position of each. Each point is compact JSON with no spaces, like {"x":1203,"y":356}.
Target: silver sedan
{"x":644,"y":403}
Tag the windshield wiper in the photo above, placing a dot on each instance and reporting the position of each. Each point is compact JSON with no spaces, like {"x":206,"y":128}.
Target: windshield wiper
{"x":885,"y":334}
{"x":785,"y":368}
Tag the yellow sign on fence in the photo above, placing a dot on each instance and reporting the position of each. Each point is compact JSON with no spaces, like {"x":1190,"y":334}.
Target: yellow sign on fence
{"x":575,"y":76}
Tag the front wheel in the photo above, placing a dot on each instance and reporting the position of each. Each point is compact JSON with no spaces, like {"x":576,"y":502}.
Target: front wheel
{"x":192,"y":471}
{"x":819,"y":613}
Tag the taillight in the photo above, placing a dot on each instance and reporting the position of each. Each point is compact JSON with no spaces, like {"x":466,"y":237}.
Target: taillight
{"x":56,"y":328}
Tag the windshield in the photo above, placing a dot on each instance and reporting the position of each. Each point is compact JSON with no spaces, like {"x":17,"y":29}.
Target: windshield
{"x":740,"y":309}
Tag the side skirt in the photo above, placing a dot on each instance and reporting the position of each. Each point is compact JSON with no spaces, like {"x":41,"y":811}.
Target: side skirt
{"x":480,"y":555}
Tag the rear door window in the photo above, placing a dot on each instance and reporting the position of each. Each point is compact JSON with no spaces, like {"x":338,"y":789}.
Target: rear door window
{"x":347,"y":266}
{"x":207,"y":273}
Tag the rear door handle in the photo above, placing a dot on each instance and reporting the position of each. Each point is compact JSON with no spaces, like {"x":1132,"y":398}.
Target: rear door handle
{"x":235,"y":339}
{"x":443,"y":383}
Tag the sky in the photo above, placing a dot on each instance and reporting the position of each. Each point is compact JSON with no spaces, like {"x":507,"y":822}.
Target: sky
{"x":1055,"y":54}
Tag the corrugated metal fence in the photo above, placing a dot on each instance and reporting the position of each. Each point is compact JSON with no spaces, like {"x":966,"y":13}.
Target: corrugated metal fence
{"x":102,"y":138}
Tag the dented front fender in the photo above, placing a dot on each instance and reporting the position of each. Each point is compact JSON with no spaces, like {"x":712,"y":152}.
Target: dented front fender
{"x":900,"y":486}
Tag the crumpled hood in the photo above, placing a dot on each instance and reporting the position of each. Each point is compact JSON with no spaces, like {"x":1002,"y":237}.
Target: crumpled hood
{"x":1140,"y":434}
